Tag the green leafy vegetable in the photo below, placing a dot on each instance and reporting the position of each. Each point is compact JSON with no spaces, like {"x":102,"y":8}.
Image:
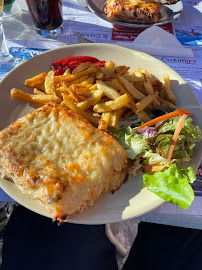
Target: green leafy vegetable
{"x":186,"y":141}
{"x":133,"y":143}
{"x":191,"y":131}
{"x":183,"y":147}
{"x":152,"y":159}
{"x":172,"y":184}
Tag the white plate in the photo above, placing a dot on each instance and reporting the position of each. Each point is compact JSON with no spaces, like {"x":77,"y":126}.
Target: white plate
{"x":168,"y":13}
{"x":131,"y":200}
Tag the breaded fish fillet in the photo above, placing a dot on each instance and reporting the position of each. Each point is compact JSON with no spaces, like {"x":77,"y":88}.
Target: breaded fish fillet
{"x":133,"y":11}
{"x":59,"y":159}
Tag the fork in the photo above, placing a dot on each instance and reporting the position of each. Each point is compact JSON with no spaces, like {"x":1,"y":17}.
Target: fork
{"x":83,"y":40}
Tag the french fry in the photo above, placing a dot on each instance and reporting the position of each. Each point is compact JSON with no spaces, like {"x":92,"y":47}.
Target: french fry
{"x":67,"y":71}
{"x":78,"y":88}
{"x":156,"y":102}
{"x":145,"y":102}
{"x":138,"y":74}
{"x":93,"y":87}
{"x":108,"y":91}
{"x":101,"y":95}
{"x":109,"y":64}
{"x":149,"y":88}
{"x":71,"y":77}
{"x":112,"y":104}
{"x":115,"y":115}
{"x":97,"y":115}
{"x":104,"y":99}
{"x":133,"y":78}
{"x":123,"y":90}
{"x":168,"y":92}
{"x":38,"y":92}
{"x":80,"y":80}
{"x":61,"y":89}
{"x":49,"y":83}
{"x":168,"y":103}
{"x":72,"y":106}
{"x":144,"y":72}
{"x":162,"y":92}
{"x":113,"y":72}
{"x":88,"y":86}
{"x":99,"y":76}
{"x":87,"y":81}
{"x":88,"y":93}
{"x":155,"y":82}
{"x":40,"y":87}
{"x":41,"y":99}
{"x":90,"y":101}
{"x":104,"y":122}
{"x":82,"y":67}
{"x":58,"y":85}
{"x":131,"y":89}
{"x":110,"y":84}
{"x":36,"y":80}
{"x":78,"y":92}
{"x":73,"y":94}
{"x":141,"y":89}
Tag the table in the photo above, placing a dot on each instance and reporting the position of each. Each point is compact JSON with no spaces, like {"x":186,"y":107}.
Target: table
{"x":21,"y":29}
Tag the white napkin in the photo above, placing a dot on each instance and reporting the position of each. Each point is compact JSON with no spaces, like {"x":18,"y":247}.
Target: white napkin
{"x":199,"y":7}
{"x":156,"y":41}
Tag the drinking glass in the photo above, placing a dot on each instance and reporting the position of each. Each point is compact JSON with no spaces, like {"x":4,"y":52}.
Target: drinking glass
{"x":11,"y":8}
{"x":5,"y":56}
{"x":46,"y":16}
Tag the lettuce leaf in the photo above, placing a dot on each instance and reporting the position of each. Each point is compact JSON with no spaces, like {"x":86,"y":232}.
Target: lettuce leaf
{"x":172,"y":184}
{"x":152,"y":159}
{"x":183,"y":148}
{"x":186,"y":141}
{"x":191,"y":132}
{"x":133,"y":143}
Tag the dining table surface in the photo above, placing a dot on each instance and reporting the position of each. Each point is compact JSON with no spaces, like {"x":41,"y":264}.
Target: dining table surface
{"x":19,"y":32}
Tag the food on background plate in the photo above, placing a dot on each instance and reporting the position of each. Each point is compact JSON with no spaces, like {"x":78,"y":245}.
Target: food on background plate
{"x":59,"y":159}
{"x":134,"y":107}
{"x":133,"y":11}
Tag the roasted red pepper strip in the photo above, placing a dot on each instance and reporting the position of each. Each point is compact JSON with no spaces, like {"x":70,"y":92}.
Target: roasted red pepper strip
{"x":72,"y":62}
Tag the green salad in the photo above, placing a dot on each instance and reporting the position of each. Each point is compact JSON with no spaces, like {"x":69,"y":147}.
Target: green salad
{"x":164,"y":174}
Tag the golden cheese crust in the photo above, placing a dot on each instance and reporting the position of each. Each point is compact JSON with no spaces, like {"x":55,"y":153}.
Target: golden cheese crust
{"x":61,"y":160}
{"x":133,"y":11}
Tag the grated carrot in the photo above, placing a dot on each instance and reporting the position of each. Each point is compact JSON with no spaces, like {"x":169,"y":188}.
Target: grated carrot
{"x":164,"y":117}
{"x":178,"y":129}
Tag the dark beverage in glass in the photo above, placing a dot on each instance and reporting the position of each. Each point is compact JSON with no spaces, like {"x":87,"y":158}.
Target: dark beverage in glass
{"x":46,"y":16}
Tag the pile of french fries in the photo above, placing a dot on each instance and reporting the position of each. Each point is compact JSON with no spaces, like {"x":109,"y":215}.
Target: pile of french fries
{"x":101,"y":95}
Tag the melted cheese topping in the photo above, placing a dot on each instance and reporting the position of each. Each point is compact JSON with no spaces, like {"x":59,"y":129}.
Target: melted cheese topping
{"x":58,"y":157}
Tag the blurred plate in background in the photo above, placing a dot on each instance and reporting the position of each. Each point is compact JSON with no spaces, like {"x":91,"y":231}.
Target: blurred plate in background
{"x":168,"y":13}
